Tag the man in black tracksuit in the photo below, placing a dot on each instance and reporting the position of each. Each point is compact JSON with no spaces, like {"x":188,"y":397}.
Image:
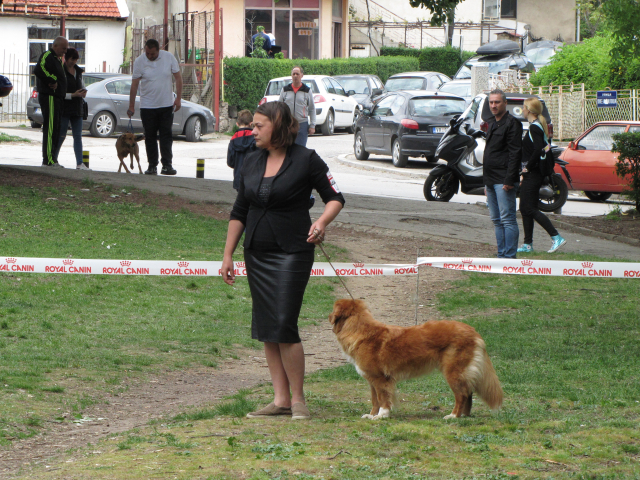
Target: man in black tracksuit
{"x":51,"y":82}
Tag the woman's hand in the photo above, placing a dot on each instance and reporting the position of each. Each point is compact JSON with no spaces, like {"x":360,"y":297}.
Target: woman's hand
{"x":80,"y":93}
{"x":228,"y":274}
{"x":316,"y":232}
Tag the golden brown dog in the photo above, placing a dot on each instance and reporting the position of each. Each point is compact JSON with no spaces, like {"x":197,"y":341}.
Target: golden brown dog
{"x":127,"y":144}
{"x":385,"y":354}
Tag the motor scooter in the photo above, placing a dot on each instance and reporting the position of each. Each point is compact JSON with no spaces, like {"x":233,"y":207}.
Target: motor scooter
{"x":464,"y":172}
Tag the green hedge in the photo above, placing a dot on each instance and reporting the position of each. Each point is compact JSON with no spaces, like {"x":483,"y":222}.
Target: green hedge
{"x":445,"y":60}
{"x":245,"y":79}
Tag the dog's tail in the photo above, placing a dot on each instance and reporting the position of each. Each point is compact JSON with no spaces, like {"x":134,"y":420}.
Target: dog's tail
{"x":482,"y":377}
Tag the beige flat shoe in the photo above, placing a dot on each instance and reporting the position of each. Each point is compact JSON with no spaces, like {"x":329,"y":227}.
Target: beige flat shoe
{"x":270,"y":410}
{"x":299,"y":411}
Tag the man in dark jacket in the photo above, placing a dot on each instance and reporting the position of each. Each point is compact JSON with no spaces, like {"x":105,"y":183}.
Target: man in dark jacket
{"x":51,"y":82}
{"x":241,"y":143}
{"x":501,"y":172}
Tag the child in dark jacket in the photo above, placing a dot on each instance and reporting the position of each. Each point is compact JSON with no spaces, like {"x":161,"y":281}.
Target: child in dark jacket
{"x":241,"y":143}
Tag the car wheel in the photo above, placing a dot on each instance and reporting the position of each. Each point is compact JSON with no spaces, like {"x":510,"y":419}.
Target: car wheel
{"x":193,"y":129}
{"x":598,"y":196}
{"x":358,"y":147}
{"x":35,"y":124}
{"x":103,"y":125}
{"x":399,"y":160}
{"x":440,"y":187}
{"x":352,"y":128}
{"x":328,"y":125}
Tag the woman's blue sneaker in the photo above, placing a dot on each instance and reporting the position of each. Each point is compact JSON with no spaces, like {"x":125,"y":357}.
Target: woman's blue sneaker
{"x":525,"y":248}
{"x":558,"y":241}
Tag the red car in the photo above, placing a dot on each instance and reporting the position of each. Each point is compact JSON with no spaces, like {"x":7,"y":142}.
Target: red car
{"x":591,"y":162}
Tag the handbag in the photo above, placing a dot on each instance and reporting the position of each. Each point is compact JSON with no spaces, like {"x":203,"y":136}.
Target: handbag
{"x":85,"y":109}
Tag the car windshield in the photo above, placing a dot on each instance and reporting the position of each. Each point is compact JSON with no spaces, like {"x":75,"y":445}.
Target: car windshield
{"x":462,"y":89}
{"x":435,"y":107}
{"x":540,"y":55}
{"x":358,"y":85}
{"x":495,"y":66}
{"x":276,"y":86}
{"x":404,"y":83}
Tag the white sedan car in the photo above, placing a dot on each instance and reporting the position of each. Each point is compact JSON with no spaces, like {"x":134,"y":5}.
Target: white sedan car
{"x":334,"y":107}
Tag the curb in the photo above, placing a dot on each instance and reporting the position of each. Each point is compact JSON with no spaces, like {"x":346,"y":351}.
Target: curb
{"x":594,"y":233}
{"x":363,"y":165}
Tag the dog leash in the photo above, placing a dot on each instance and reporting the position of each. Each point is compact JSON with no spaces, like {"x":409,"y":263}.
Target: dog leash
{"x":130,"y":125}
{"x":334,"y":269}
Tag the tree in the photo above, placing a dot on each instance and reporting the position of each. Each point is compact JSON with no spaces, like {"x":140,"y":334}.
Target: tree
{"x":442,"y":11}
{"x":591,"y":17}
{"x":628,"y":163}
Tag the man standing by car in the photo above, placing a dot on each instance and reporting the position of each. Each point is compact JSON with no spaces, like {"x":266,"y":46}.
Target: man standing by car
{"x":299,"y":98}
{"x":501,"y":172}
{"x":51,"y":82}
{"x":152,"y":71}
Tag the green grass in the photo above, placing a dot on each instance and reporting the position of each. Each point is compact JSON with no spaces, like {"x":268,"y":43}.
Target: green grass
{"x":566,"y":350}
{"x":6,"y":138}
{"x":64,"y":334}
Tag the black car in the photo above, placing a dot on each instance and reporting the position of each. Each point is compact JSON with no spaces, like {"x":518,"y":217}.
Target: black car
{"x":405,"y":124}
{"x":364,"y":89}
{"x":499,"y":56}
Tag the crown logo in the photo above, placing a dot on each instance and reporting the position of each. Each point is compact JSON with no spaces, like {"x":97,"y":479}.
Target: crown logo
{"x":527,"y":263}
{"x":587,"y":264}
{"x":125,"y":263}
{"x":67,"y":262}
{"x":11,"y":260}
{"x":183,"y":264}
{"x":240,"y":264}
{"x":358,"y":265}
{"x":467,"y":260}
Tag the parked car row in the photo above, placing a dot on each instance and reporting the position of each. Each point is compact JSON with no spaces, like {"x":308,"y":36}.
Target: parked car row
{"x":108,"y":101}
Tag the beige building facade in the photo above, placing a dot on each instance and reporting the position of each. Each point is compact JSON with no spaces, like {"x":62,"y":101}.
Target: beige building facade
{"x":311,"y":29}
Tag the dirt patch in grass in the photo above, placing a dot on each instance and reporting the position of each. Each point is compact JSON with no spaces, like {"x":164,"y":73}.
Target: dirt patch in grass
{"x":158,"y":395}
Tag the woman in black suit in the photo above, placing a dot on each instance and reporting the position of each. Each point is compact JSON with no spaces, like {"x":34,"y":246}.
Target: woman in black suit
{"x":272,"y":208}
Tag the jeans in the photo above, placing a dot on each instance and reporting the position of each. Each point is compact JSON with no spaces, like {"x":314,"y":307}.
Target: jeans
{"x":76,"y":130}
{"x":502,"y":209}
{"x":303,"y":134}
{"x":529,"y":194}
{"x":156,"y":120}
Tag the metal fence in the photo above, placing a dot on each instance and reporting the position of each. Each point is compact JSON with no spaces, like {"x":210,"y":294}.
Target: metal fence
{"x":574,"y":109}
{"x":14,"y":106}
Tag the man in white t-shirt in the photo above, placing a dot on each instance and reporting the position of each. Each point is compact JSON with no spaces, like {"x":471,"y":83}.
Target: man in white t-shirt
{"x":152,"y":71}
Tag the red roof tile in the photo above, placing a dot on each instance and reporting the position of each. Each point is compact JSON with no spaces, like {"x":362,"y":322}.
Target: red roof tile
{"x":54,"y":8}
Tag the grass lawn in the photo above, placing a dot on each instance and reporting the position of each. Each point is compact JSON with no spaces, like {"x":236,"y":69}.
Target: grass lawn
{"x":6,"y":138}
{"x":65,"y":334}
{"x":567,"y":351}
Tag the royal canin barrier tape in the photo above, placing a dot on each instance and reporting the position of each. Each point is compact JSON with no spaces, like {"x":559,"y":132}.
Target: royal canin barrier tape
{"x":213,"y":269}
{"x":556,"y":268}
{"x":181,"y":268}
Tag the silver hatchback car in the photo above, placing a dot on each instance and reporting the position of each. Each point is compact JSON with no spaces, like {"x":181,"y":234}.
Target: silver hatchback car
{"x":108,"y":101}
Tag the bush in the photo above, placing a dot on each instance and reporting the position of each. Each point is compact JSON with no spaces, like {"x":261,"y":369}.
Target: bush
{"x":445,"y":60}
{"x":587,"y":62}
{"x":245,"y":79}
{"x":628,"y":163}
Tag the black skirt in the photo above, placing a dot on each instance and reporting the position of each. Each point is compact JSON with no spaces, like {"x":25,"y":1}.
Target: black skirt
{"x":277,"y":281}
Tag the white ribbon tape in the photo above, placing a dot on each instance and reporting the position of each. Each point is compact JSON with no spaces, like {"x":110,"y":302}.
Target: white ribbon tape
{"x":213,"y":269}
{"x":557,"y":268}
{"x":181,"y":268}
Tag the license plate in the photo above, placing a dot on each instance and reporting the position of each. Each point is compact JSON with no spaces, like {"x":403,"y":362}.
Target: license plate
{"x":439,"y":129}
{"x":36,"y":110}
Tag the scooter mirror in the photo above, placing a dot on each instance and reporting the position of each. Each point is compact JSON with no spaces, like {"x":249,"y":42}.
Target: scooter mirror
{"x":453,"y":120}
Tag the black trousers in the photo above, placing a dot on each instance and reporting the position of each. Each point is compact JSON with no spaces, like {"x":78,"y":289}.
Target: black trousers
{"x":157,"y":123}
{"x":529,"y":194}
{"x":52,"y":114}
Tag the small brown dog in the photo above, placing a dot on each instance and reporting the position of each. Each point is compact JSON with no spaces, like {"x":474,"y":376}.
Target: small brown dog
{"x":127,"y":144}
{"x":385,"y":354}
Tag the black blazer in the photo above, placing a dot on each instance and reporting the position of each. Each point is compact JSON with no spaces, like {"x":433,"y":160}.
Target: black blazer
{"x":503,"y":151}
{"x":287,"y":210}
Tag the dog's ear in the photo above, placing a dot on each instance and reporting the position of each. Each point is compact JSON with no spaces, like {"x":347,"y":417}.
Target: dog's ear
{"x":342,"y":310}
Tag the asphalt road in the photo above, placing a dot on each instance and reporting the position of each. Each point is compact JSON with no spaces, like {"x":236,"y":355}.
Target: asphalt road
{"x":376,"y":196}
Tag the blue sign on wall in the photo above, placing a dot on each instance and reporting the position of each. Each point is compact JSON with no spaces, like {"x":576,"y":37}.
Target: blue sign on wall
{"x":607,"y":98}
